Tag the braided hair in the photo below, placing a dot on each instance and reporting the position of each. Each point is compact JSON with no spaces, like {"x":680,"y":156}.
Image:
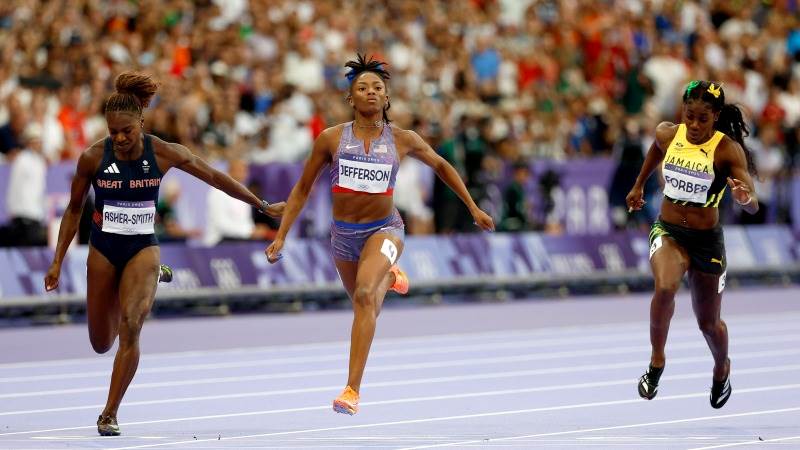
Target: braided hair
{"x":730,"y":121}
{"x":362,"y":64}
{"x":133,"y":93}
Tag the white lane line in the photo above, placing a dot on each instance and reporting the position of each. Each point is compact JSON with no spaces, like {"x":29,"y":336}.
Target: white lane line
{"x":501,"y":413}
{"x":479,"y":394}
{"x":447,"y":379}
{"x":752,"y":442}
{"x":592,"y":430}
{"x":343,"y":355}
{"x":739,"y":320}
{"x":411,"y":366}
{"x":378,"y":342}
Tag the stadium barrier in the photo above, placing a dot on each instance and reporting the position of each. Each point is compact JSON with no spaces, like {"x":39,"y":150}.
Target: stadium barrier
{"x":474,"y":265}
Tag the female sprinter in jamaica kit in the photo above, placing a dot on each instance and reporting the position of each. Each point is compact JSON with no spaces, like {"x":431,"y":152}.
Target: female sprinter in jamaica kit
{"x":367,"y":232}
{"x":125,"y":170}
{"x":699,"y":158}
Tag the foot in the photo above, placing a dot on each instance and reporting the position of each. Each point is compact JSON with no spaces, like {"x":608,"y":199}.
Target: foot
{"x":164,"y":273}
{"x":721,"y":390}
{"x":400,"y":280}
{"x":648,"y":383}
{"x":347,"y":402}
{"x":107,"y":426}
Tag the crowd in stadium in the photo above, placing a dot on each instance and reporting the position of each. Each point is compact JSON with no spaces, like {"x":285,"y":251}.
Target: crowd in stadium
{"x":491,"y":85}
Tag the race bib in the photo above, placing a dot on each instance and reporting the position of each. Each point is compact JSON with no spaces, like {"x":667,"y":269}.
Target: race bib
{"x":363,"y":176}
{"x":129,"y":218}
{"x":686,"y":184}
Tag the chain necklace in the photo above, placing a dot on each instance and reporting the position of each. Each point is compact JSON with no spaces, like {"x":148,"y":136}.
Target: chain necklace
{"x":376,"y":124}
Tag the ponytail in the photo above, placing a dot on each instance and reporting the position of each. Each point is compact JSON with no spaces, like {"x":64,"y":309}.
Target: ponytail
{"x":731,"y":122}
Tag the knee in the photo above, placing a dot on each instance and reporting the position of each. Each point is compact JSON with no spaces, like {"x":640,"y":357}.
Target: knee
{"x":665,"y":291}
{"x":101,"y":344}
{"x":709,"y":327}
{"x":364,"y":298}
{"x":130,"y":328}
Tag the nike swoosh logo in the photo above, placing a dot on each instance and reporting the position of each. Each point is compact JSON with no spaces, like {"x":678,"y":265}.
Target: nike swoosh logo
{"x":351,"y":146}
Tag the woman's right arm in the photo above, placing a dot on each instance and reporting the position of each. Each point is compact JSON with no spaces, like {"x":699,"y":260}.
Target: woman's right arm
{"x":320,"y":155}
{"x":87,"y":164}
{"x":635,"y":198}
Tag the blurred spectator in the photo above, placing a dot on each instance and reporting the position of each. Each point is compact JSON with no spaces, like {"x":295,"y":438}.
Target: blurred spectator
{"x":11,"y":132}
{"x":72,"y":117}
{"x":168,"y":229}
{"x":769,"y":158}
{"x":450,"y":215}
{"x":229,"y":219}
{"x":515,"y":200}
{"x":43,"y":114}
{"x":409,"y":197}
{"x":25,"y":200}
{"x":629,"y":153}
{"x":669,"y":73}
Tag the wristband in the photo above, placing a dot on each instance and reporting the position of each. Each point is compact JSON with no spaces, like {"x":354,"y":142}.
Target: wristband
{"x":264,"y":205}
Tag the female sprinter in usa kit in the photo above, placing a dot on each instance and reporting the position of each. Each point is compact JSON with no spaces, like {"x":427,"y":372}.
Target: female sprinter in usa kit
{"x":367,"y":231}
{"x":699,"y":158}
{"x":123,"y":267}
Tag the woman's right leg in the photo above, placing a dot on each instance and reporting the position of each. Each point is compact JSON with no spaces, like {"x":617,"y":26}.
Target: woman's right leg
{"x":102,"y":301}
{"x":347,"y":272}
{"x":669,"y":262}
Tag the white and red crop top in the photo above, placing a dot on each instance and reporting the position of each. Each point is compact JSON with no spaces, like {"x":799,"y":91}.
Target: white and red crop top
{"x":356,"y":170}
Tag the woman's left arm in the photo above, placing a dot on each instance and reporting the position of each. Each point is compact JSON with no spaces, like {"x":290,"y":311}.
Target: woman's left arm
{"x":419,"y":149}
{"x":180,"y":157}
{"x":740,"y":182}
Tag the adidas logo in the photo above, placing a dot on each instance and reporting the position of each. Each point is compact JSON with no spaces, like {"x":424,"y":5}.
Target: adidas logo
{"x":724,"y":394}
{"x":112,"y":168}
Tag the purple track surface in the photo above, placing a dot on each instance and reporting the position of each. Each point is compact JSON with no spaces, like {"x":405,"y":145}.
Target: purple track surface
{"x":533,"y":374}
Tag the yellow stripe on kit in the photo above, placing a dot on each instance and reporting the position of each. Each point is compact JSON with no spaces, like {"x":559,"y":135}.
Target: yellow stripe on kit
{"x":719,"y":196}
{"x":710,"y":200}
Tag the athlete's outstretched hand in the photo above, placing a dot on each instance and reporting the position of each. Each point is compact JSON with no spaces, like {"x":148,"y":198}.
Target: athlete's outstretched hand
{"x":275,"y":209}
{"x":273,"y":252}
{"x":739,"y":190}
{"x":52,"y":276}
{"x":483,"y":220}
{"x":635,"y":199}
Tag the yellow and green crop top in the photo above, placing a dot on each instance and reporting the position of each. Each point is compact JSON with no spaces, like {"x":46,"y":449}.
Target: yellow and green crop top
{"x":689,"y":174}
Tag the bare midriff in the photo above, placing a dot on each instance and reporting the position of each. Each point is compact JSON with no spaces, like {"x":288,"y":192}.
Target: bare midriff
{"x":361,"y":208}
{"x":689,"y":216}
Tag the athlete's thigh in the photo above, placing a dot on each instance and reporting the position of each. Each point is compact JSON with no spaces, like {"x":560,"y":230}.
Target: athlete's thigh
{"x":668,"y":260}
{"x":102,"y":295}
{"x":379,"y":253}
{"x":137,"y":287}
{"x":347,"y":272}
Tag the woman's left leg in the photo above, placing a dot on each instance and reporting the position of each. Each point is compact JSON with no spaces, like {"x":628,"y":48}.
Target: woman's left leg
{"x":707,"y":303}
{"x":137,"y":291}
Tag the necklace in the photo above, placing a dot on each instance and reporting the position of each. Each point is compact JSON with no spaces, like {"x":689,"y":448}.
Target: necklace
{"x":376,"y":124}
